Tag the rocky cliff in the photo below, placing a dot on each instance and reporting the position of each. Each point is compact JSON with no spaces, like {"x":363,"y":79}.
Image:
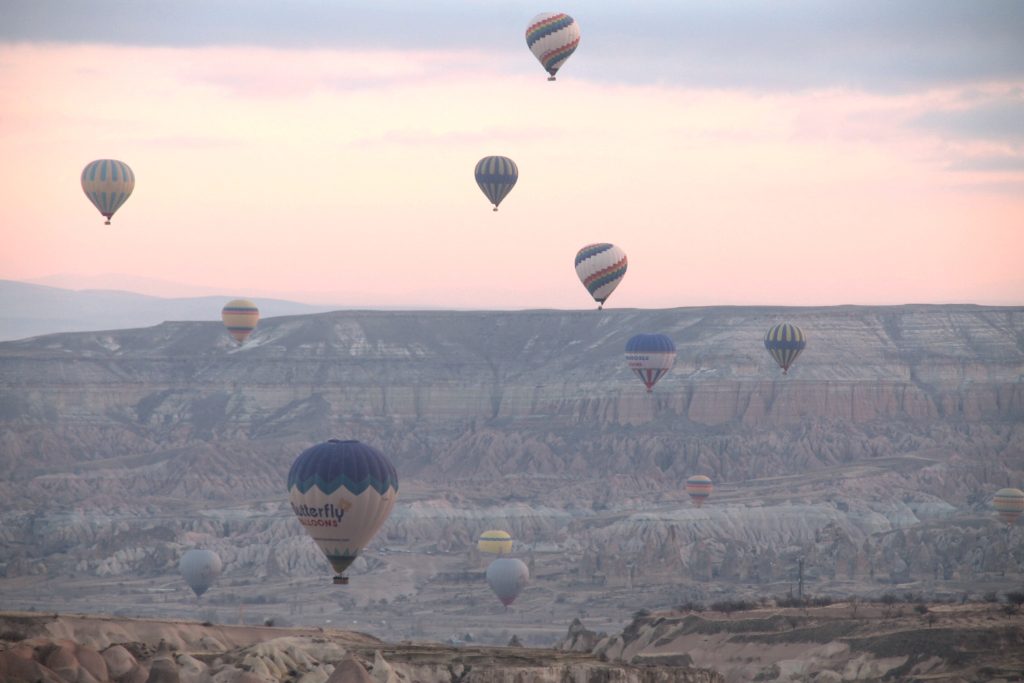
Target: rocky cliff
{"x":872,"y":462}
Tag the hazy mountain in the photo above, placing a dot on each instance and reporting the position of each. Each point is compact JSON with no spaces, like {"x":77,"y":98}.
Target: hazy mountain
{"x":28,"y":310}
{"x":872,"y":463}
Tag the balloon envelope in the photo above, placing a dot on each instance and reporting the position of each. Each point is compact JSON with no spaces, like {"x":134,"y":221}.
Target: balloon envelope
{"x":699,"y":487}
{"x":507,"y":576}
{"x":650,"y":356}
{"x":1009,"y":503}
{"x":107,"y":183}
{"x":200,"y":568}
{"x":495,"y":541}
{"x":552,"y":37}
{"x":784,"y":342}
{"x":601,"y":267}
{"x":240,"y":316}
{"x":342,"y":492}
{"x":496,"y":177}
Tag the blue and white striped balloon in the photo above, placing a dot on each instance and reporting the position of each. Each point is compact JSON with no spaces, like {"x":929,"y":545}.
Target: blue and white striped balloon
{"x":107,"y":183}
{"x":496,"y":177}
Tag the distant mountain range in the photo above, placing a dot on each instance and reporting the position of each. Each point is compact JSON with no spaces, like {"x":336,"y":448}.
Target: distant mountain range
{"x":30,"y":310}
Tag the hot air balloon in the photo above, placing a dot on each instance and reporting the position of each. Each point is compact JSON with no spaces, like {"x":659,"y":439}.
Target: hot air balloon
{"x":342,"y":491}
{"x":784,"y":342}
{"x":496,"y":177}
{"x":650,"y":356}
{"x":699,"y":488}
{"x":495,"y":542}
{"x":601,"y":268}
{"x":1009,"y":503}
{"x":107,"y":183}
{"x":240,"y":317}
{"x":507,"y":576}
{"x":552,"y":38}
{"x":200,"y":569}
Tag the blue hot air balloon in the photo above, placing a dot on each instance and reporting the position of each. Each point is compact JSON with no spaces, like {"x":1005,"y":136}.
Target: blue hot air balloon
{"x":496,"y":177}
{"x":784,"y":342}
{"x":107,"y":183}
{"x":650,"y":356}
{"x":342,"y":492}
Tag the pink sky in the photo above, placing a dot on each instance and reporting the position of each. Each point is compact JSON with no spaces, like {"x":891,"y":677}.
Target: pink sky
{"x":347,"y":177}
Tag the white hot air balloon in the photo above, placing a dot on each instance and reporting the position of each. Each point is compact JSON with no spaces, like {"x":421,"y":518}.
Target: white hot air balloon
{"x":200,"y":568}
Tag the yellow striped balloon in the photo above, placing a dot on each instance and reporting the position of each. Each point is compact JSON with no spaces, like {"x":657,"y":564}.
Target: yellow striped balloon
{"x":1009,"y":503}
{"x":240,"y":317}
{"x":784,"y":342}
{"x":495,"y":542}
{"x":699,"y":487}
{"x":107,"y":183}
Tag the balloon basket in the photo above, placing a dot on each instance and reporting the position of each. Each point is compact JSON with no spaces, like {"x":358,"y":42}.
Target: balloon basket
{"x":340,"y":580}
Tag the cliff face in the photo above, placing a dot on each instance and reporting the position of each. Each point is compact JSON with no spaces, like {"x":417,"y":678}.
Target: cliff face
{"x":874,"y":459}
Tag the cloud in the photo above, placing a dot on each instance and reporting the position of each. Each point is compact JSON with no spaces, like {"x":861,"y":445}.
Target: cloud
{"x":994,"y":164}
{"x":1000,"y":120}
{"x":875,"y":45}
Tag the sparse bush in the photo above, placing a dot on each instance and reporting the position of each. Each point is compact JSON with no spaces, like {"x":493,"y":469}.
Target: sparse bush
{"x":990,"y":596}
{"x":689,"y":606}
{"x":1010,"y":610}
{"x":788,"y":601}
{"x":641,"y":614}
{"x":921,"y":608}
{"x":728,"y":606}
{"x":888,"y":599}
{"x":1015,"y":598}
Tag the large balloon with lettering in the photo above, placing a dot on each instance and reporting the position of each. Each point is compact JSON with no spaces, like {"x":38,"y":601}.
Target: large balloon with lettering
{"x":650,"y":356}
{"x":200,"y":568}
{"x":342,"y":492}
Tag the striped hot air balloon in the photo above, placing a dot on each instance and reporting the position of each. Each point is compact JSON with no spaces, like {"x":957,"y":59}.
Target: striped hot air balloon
{"x":342,"y":492}
{"x":601,"y":268}
{"x":1009,"y":503}
{"x":495,"y":542}
{"x":107,"y":183}
{"x":496,"y":177}
{"x":699,"y":487}
{"x":650,"y":356}
{"x":784,"y":342}
{"x":552,"y":37}
{"x":240,"y":317}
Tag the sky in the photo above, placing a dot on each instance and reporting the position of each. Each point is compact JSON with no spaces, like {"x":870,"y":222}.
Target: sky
{"x":749,"y":153}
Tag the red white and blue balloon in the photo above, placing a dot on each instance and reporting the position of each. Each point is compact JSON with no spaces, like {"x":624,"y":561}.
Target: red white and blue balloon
{"x":601,"y":267}
{"x":552,"y":38}
{"x":650,"y":356}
